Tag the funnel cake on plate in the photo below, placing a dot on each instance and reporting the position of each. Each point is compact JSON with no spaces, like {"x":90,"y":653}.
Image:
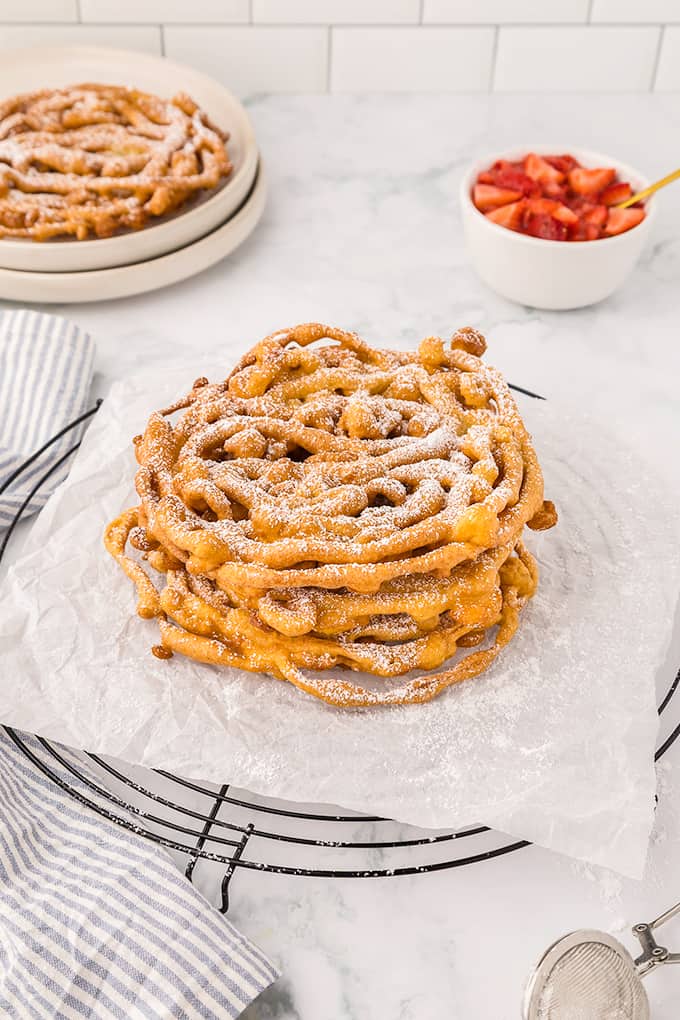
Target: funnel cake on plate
{"x":332,"y":505}
{"x":90,"y":160}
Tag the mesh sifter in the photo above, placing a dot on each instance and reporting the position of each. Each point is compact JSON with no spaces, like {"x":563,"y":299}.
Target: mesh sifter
{"x":588,"y":975}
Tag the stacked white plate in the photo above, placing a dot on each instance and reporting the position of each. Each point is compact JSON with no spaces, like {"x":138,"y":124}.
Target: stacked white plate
{"x":176,"y":246}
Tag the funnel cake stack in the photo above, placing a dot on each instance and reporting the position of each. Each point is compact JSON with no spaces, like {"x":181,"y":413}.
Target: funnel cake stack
{"x":331,"y":505}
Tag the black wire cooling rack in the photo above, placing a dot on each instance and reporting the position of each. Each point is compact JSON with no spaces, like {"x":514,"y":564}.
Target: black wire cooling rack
{"x":202,"y":822}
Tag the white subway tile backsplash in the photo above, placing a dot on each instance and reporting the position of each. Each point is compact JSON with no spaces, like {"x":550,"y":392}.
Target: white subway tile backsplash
{"x":336,"y":12}
{"x":504,"y":11}
{"x":166,"y":11}
{"x":254,"y":59}
{"x":571,"y":59}
{"x":635,"y":11}
{"x":668,"y":75}
{"x":411,"y":59}
{"x":379,"y":45}
{"x":39,"y":10}
{"x":127,"y":37}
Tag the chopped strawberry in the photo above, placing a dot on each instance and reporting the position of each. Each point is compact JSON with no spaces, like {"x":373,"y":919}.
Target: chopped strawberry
{"x":554,"y":198}
{"x":577,"y":202}
{"x":556,"y":191}
{"x":595,"y":214}
{"x":487,"y":196}
{"x":541,"y":206}
{"x":562,"y":163}
{"x":550,"y":207}
{"x":620,"y":220}
{"x":617,"y":192}
{"x":512,"y":176}
{"x":509,"y":216}
{"x":585,"y":232}
{"x":563,"y":214}
{"x":589,"y":182}
{"x":540,"y":170}
{"x":545,"y":226}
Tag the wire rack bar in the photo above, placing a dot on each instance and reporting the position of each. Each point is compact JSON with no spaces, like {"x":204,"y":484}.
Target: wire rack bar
{"x":191,"y":864}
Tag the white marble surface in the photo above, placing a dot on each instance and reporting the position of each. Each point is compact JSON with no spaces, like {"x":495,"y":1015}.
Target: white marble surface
{"x":362,"y":230}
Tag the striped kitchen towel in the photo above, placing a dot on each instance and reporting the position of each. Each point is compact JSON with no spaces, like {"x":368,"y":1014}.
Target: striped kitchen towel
{"x":45,"y":377}
{"x":96,"y":922}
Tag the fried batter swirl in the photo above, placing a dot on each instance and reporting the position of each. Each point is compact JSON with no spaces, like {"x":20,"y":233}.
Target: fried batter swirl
{"x":90,"y":160}
{"x":332,"y":505}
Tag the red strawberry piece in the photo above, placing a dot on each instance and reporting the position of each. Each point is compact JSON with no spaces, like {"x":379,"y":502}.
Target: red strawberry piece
{"x":589,"y":182}
{"x":540,"y":170}
{"x":578,"y":202}
{"x":547,"y":227}
{"x":509,"y":216}
{"x":562,"y":163}
{"x":556,"y":191}
{"x":550,"y":207}
{"x":595,"y":214}
{"x":488,"y":196}
{"x":485,"y":178}
{"x":498,"y":167}
{"x":620,"y":220}
{"x":512,"y":176}
{"x":585,"y":232}
{"x":617,"y":192}
{"x":503,"y":165}
{"x":563,"y":214}
{"x":541,"y":206}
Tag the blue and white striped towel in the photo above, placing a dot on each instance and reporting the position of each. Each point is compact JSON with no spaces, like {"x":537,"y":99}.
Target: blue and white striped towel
{"x":97,"y":923}
{"x":45,"y":377}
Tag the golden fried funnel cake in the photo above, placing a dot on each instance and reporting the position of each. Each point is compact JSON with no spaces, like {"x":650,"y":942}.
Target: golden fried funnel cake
{"x":89,"y":160}
{"x":332,"y":505}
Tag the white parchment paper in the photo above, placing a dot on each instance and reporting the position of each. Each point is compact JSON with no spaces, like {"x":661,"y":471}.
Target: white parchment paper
{"x":554,"y":744}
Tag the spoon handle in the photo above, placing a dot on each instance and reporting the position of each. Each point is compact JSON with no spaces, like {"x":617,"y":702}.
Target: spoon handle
{"x":650,"y":190}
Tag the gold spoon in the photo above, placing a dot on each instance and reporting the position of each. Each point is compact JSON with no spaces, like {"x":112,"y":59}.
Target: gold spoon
{"x":649,"y":191}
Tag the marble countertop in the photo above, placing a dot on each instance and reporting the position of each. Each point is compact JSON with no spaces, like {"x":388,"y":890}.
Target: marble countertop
{"x":362,"y":230}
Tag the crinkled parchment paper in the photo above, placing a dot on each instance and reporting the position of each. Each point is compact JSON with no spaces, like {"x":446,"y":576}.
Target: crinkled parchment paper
{"x":554,"y":744}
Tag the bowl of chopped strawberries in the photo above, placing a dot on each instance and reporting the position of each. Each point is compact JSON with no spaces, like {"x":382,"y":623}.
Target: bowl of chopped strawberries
{"x":544,"y":226}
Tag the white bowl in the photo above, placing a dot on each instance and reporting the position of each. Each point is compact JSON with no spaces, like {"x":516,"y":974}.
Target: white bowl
{"x":551,"y":274}
{"x":54,"y":67}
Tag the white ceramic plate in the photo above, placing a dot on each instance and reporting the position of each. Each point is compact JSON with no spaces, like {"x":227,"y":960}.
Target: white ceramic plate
{"x":124,"y":281}
{"x":53,"y":67}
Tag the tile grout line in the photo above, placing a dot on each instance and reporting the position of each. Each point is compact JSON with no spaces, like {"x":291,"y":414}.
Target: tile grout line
{"x":145,"y":24}
{"x":494,"y":56}
{"x":361,"y":25}
{"x":657,"y":58}
{"x":589,"y":15}
{"x":79,"y":13}
{"x":162,"y":32}
{"x":421,"y":12}
{"x":329,"y":57}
